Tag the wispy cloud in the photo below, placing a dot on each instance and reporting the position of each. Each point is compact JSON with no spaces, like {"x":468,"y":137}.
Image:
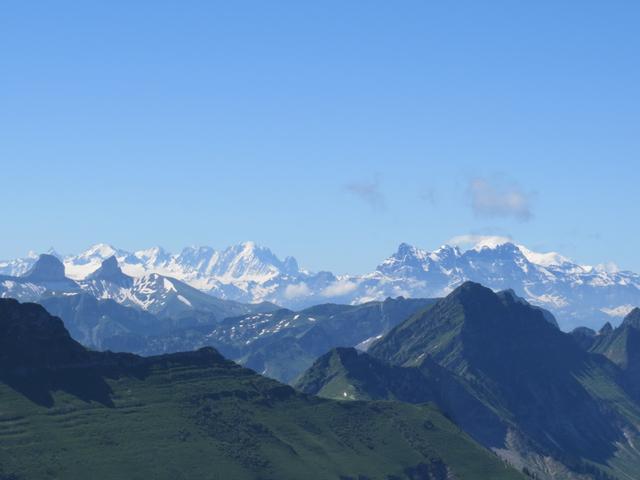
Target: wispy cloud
{"x":369,"y":192}
{"x":297,"y":290}
{"x":497,"y":199}
{"x":473,"y":240}
{"x":339,"y":288}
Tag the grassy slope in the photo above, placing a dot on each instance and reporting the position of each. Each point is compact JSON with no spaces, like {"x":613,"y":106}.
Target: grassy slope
{"x":570,"y":403}
{"x":218,"y":421}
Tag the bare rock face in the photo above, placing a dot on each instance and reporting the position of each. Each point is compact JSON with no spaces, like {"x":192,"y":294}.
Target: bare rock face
{"x":110,"y":271}
{"x":49,"y":272}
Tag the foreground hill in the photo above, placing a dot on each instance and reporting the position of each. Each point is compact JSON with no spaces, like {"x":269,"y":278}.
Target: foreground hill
{"x":508,"y":377}
{"x":72,"y":413}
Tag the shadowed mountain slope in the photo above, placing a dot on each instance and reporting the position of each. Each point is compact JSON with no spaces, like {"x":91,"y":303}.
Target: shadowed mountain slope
{"x":552,"y":407}
{"x":67,"y":411}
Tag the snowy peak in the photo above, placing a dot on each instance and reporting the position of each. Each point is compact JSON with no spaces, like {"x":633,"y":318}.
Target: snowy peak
{"x":197,"y":258}
{"x":575,"y":294}
{"x":19,"y":266}
{"x":155,"y":256}
{"x":100,"y":251}
{"x":506,"y":255}
{"x":547,"y":259}
{"x":80,"y":266}
{"x":445,"y":252}
{"x":407,"y":260}
{"x":251,"y":262}
{"x":412,"y":259}
{"x":506,"y":249}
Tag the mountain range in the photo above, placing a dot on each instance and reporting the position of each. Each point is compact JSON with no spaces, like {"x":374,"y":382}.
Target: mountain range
{"x":283,"y":343}
{"x":557,"y":405}
{"x":155,"y":314}
{"x":578,"y":295}
{"x":68,"y":412}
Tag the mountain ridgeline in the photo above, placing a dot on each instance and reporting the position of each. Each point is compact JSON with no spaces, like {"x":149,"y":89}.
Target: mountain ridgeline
{"x":540,"y":398}
{"x":554,"y":405}
{"x":578,"y":295}
{"x":151,"y":315}
{"x":282,"y":344}
{"x":68,"y":412}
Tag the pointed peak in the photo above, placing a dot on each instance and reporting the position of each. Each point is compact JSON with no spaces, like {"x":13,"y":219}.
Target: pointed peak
{"x":405,"y":247}
{"x":407,"y":250}
{"x":155,"y":255}
{"x":472,"y":293}
{"x":606,"y":329}
{"x":250,"y":245}
{"x":290,"y":265}
{"x":448,"y":249}
{"x":471,"y":287}
{"x":111,"y":272}
{"x":633,"y":318}
{"x":110,"y":262}
{"x":101,"y":250}
{"x":253,"y":249}
{"x":52,"y":251}
{"x":546,"y":259}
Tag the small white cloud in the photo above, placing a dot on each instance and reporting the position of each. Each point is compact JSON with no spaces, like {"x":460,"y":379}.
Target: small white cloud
{"x":339,"y":288}
{"x":609,"y":267}
{"x":498,"y":200}
{"x":297,"y":290}
{"x":478,"y":241}
{"x":619,"y":311}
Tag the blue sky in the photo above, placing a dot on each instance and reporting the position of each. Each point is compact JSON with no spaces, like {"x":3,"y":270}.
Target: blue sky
{"x":331,"y":131}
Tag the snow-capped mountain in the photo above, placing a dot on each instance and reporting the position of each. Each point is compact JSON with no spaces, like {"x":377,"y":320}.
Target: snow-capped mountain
{"x":157,"y":294}
{"x":576,"y":294}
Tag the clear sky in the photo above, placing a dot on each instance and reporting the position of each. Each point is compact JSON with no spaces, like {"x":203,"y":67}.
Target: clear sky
{"x":330,"y":130}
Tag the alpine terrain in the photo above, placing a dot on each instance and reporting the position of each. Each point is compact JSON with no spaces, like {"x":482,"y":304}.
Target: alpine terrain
{"x":555,"y":407}
{"x":68,"y":412}
{"x":578,"y":295}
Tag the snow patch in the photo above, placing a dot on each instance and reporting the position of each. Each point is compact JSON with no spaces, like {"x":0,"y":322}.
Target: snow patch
{"x":184,"y":300}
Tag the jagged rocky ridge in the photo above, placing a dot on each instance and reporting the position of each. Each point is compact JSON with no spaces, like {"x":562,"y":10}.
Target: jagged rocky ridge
{"x":576,"y":294}
{"x":154,"y":314}
{"x":153,"y":293}
{"x":538,"y":397}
